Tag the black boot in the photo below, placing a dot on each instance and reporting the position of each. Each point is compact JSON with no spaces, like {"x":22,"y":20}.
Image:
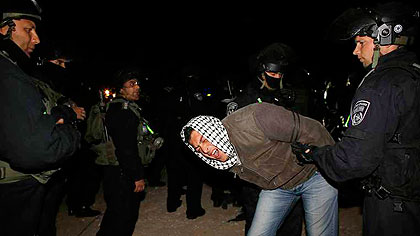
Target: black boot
{"x":171,"y":206}
{"x":196,"y":213}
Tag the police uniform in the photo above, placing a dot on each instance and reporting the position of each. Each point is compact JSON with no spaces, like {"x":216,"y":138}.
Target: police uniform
{"x":184,"y":100}
{"x":33,"y":146}
{"x":293,"y":98}
{"x":119,"y":177}
{"x":381,"y":145}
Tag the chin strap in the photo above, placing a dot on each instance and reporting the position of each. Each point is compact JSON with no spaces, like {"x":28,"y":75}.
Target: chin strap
{"x":376,"y":51}
{"x":263,"y":82}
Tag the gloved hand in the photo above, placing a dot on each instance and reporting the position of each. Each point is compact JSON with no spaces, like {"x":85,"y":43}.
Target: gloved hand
{"x":303,"y":152}
{"x":64,"y":112}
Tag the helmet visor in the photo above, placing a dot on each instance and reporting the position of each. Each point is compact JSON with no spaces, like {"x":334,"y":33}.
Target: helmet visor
{"x":350,"y":23}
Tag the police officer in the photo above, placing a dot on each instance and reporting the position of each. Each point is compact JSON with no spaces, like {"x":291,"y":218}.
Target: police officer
{"x":36,"y":134}
{"x":381,"y":145}
{"x":80,"y":173}
{"x":185,"y":98}
{"x":280,"y":81}
{"x":123,"y":179}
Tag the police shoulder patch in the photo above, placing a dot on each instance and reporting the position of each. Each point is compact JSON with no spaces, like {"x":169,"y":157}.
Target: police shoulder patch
{"x":231,"y":107}
{"x":359,"y":112}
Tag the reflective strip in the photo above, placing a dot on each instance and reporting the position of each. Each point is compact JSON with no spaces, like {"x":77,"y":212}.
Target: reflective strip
{"x":19,"y":15}
{"x":2,"y":172}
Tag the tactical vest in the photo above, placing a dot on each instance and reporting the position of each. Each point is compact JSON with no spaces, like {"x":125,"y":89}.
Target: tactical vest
{"x":399,"y":173}
{"x":7,"y":174}
{"x":106,"y":150}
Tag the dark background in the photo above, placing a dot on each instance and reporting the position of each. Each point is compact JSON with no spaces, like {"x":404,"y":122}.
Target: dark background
{"x":220,"y":37}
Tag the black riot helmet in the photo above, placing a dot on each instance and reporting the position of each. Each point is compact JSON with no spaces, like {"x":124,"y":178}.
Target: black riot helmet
{"x":276,"y":57}
{"x":388,"y":23}
{"x":123,"y":75}
{"x":19,"y":9}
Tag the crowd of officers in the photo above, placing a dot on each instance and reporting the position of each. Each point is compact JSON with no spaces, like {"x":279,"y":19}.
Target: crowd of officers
{"x":44,"y":155}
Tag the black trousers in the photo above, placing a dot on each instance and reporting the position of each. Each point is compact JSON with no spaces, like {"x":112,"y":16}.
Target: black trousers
{"x":122,"y":203}
{"x":29,"y":208}
{"x":293,"y":222}
{"x":83,"y":179}
{"x":390,"y":217}
{"x":184,"y":168}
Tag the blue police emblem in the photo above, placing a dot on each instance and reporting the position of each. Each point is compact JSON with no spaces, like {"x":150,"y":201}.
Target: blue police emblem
{"x":359,"y":112}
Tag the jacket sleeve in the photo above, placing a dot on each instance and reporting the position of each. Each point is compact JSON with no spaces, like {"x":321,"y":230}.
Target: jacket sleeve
{"x":31,"y":140}
{"x":283,"y":125}
{"x":374,"y":118}
{"x":123,"y":129}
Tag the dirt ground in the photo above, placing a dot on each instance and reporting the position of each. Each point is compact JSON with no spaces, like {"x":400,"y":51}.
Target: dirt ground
{"x":155,"y":221}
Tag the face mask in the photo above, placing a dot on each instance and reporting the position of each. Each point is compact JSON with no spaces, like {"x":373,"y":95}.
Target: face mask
{"x":272,"y":82}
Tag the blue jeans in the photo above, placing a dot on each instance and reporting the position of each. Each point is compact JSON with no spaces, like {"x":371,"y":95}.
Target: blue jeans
{"x":320,"y":203}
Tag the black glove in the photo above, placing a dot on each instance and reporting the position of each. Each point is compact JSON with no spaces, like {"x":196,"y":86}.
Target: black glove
{"x":303,"y":152}
{"x":64,"y":112}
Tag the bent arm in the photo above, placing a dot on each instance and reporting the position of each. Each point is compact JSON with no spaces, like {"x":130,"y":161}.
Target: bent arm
{"x":31,"y":139}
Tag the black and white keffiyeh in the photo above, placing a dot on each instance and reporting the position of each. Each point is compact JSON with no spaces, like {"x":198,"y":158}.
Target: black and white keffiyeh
{"x":213,"y":130}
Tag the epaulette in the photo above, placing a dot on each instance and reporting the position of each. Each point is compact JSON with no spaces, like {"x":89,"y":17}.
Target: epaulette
{"x":125,"y":105}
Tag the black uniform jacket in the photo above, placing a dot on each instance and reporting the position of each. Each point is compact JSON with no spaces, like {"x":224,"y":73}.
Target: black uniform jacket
{"x":122,"y":124}
{"x":385,"y":98}
{"x":30,"y":140}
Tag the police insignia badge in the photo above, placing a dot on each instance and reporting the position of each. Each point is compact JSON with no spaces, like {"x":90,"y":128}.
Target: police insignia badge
{"x":359,"y":112}
{"x":231,"y":107}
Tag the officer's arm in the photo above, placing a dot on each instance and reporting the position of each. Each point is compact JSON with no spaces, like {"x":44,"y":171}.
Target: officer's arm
{"x":31,"y":139}
{"x":375,"y":118}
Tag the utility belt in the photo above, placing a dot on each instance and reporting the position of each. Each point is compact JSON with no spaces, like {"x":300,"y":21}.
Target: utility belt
{"x":8,"y":175}
{"x":372,"y":186}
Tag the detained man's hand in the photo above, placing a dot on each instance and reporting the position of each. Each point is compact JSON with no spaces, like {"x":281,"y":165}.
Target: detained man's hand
{"x":140,"y":186}
{"x":303,"y":152}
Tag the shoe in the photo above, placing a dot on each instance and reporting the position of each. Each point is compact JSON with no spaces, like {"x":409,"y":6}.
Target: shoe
{"x":239,"y":217}
{"x":85,"y":212}
{"x":195,"y":214}
{"x":171,"y":207}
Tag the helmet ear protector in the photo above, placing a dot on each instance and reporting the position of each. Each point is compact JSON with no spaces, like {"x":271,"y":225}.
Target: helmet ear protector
{"x":386,"y":31}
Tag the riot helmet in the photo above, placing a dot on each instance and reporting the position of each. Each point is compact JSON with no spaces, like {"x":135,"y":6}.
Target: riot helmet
{"x":18,"y":9}
{"x":54,"y":52}
{"x":389,"y":23}
{"x":124,"y":75}
{"x":277,"y":58}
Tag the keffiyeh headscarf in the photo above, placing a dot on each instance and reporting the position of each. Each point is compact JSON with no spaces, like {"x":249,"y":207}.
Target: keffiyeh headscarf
{"x":213,"y":130}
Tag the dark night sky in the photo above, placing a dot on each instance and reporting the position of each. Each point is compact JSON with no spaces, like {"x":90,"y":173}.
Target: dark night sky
{"x":106,"y":34}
